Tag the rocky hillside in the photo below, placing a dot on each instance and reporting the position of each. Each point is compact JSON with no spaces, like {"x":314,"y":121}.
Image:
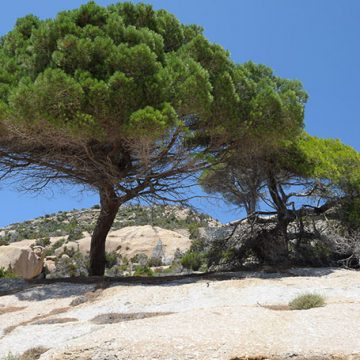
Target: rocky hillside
{"x":73,"y":223}
{"x":143,"y":241}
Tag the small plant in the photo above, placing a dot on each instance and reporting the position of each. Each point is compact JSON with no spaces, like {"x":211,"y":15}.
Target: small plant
{"x":111,"y":259}
{"x":194,"y":231}
{"x":51,"y":250}
{"x":154,"y":262}
{"x":192,"y":260}
{"x":75,"y":234}
{"x":143,"y":271}
{"x":7,"y":273}
{"x":43,"y":242}
{"x":141,"y":259}
{"x":307,"y":301}
{"x":4,"y":242}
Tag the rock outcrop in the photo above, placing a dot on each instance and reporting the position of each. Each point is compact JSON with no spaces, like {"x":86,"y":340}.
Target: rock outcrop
{"x":150,"y":240}
{"x":23,"y":261}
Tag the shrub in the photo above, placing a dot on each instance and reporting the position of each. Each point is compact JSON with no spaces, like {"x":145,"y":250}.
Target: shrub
{"x":307,"y":301}
{"x":77,"y":265}
{"x":4,"y":242}
{"x":154,"y":261}
{"x":141,"y":259}
{"x":75,"y":234}
{"x":43,"y":242}
{"x":194,"y":231}
{"x":7,"y":273}
{"x":192,"y":260}
{"x":143,"y":271}
{"x":51,"y":250}
{"x":111,"y":259}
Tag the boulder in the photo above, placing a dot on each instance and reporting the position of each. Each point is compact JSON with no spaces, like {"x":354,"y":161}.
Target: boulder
{"x":50,"y":266}
{"x":150,"y":240}
{"x":22,"y":260}
{"x":71,"y":246}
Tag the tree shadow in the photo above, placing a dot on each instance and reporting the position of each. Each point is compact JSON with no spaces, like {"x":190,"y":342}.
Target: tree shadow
{"x":44,"y":289}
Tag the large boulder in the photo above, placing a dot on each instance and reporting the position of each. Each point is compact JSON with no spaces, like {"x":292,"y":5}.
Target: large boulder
{"x":150,"y":240}
{"x":23,"y":261}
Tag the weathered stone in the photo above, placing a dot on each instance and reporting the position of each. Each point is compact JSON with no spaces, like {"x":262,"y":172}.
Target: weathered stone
{"x":22,"y":260}
{"x":149,"y":240}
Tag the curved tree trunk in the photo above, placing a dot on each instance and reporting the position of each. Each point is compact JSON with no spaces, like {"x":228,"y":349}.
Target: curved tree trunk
{"x":109,"y":207}
{"x":273,"y":245}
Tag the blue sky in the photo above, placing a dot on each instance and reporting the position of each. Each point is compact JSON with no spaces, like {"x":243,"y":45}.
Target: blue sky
{"x":316,"y":42}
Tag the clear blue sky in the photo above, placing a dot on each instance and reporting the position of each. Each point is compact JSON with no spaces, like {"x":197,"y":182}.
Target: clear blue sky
{"x":315,"y":41}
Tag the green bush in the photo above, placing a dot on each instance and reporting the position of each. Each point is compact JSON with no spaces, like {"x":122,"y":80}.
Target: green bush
{"x":194,"y":231}
{"x":4,"y":242}
{"x":75,"y":234}
{"x":143,"y":271}
{"x":51,"y":250}
{"x":7,"y":273}
{"x":192,"y":260}
{"x":111,"y":259}
{"x":154,"y":261}
{"x":43,"y":242}
{"x":307,"y":301}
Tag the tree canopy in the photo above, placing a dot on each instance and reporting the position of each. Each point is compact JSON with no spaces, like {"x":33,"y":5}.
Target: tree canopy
{"x":128,"y":101}
{"x":114,"y":98}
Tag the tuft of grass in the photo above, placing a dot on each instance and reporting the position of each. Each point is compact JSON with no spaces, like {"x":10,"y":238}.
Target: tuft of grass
{"x":143,"y":271}
{"x":7,"y":273}
{"x":192,"y":260}
{"x":307,"y":301}
{"x":31,"y":354}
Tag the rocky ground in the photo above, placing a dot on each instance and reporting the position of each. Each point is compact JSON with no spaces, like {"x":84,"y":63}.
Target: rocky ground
{"x":218,"y":317}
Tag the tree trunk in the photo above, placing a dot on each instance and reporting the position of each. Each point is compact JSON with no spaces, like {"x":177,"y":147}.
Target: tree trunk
{"x":109,"y":207}
{"x":273,"y":244}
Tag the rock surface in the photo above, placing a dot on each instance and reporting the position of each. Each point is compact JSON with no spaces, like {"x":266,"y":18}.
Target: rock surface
{"x":22,"y":260}
{"x":146,"y":239}
{"x":191,"y":318}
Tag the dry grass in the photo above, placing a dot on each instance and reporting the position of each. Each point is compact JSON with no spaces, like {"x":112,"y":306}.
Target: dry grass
{"x":112,"y":318}
{"x":307,"y":301}
{"x":10,"y":309}
{"x":33,"y":354}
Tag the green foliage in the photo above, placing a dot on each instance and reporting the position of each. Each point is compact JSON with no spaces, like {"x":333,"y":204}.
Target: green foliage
{"x":111,"y":259}
{"x":143,"y":270}
{"x":192,"y":260}
{"x":3,"y":242}
{"x":333,"y":160}
{"x":307,"y":301}
{"x":154,"y":262}
{"x":51,"y":250}
{"x":7,"y":273}
{"x":351,"y":213}
{"x":124,"y":67}
{"x":194,"y":231}
{"x":44,"y":242}
{"x":75,"y":234}
{"x":75,"y":265}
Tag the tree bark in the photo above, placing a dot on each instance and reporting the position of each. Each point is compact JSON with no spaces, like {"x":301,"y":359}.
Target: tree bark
{"x":109,"y":204}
